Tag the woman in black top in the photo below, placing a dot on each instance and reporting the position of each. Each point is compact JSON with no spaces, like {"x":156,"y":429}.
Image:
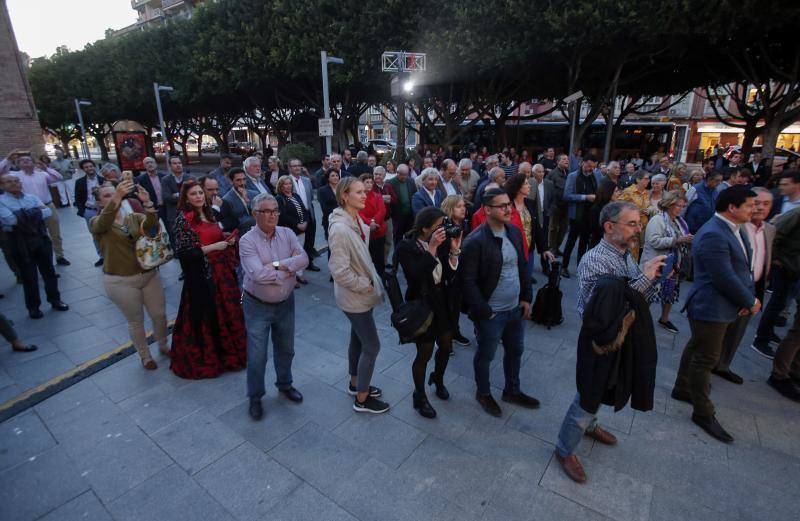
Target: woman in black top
{"x":326,"y":195}
{"x":293,"y":214}
{"x":429,"y":261}
{"x":606,"y":193}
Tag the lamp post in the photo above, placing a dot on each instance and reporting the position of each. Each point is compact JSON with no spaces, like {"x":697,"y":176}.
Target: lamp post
{"x":402,"y":86}
{"x":157,"y":90}
{"x":84,"y":144}
{"x":326,"y":107}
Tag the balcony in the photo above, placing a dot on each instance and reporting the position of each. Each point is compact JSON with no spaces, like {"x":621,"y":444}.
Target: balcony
{"x":169,"y":4}
{"x":137,"y":3}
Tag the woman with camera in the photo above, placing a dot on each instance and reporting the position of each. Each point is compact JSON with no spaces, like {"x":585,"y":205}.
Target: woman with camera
{"x":455,"y":210}
{"x":429,"y":257}
{"x":131,"y":288}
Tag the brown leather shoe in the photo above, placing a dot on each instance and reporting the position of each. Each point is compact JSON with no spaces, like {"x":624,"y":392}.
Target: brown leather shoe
{"x":572,"y":467}
{"x":602,"y":435}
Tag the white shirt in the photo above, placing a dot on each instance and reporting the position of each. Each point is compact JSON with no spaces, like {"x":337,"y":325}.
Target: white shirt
{"x":432,"y":195}
{"x":540,"y":190}
{"x":300,"y":190}
{"x":736,"y":231}
{"x":449,"y":189}
{"x":759,"y":244}
{"x":91,"y":182}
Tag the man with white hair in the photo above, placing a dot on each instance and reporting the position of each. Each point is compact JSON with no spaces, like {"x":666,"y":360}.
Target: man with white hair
{"x":467,"y":179}
{"x":254,"y":180}
{"x":613,"y":172}
{"x":429,"y":194}
{"x":496,"y":175}
{"x":361,"y":166}
{"x":542,"y":193}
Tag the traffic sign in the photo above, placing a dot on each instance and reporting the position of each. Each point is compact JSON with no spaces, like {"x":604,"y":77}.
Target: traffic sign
{"x":325,"y":127}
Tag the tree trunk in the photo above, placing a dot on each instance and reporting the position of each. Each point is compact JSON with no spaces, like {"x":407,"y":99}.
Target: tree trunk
{"x":771,"y":132}
{"x":200,"y":146}
{"x":65,"y":145}
{"x":609,"y":138}
{"x":101,"y":142}
{"x":751,"y":132}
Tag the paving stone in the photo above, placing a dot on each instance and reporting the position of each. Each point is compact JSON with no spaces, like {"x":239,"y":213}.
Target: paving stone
{"x":68,"y":399}
{"x":197,"y":440}
{"x":38,"y":485}
{"x":613,"y":494}
{"x":247,"y":482}
{"x":170,"y":494}
{"x":84,"y":507}
{"x":157,"y":408}
{"x":521,"y":499}
{"x":22,"y":437}
{"x":34,"y":372}
{"x":306,"y":503}
{"x":382,"y":436}
{"x":43,"y":343}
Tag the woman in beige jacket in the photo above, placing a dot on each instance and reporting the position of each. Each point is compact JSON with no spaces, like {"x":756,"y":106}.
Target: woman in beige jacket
{"x":357,"y":289}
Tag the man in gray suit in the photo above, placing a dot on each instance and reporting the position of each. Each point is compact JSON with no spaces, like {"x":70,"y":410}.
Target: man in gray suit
{"x":543,"y":194}
{"x":305,"y":191}
{"x":760,"y":234}
{"x":235,"y":208}
{"x":171,"y":191}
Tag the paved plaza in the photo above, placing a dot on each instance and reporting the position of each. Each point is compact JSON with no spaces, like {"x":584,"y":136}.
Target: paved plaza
{"x":127,"y":444}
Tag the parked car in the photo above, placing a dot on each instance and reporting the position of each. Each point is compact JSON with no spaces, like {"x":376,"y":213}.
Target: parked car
{"x":382,"y":146}
{"x":781,"y":155}
{"x":209,"y":146}
{"x":243,"y":148}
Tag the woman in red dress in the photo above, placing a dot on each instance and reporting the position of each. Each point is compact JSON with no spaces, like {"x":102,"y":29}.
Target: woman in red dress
{"x":209,"y":336}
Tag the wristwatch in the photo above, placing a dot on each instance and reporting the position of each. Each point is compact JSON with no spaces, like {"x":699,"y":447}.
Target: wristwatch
{"x":276,"y":265}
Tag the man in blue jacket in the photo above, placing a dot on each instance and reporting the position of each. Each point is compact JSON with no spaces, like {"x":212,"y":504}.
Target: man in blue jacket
{"x":579,"y":192}
{"x":723,"y":290}
{"x":702,"y":201}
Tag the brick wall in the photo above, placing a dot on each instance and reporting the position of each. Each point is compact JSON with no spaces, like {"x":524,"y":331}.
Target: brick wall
{"x":19,"y":126}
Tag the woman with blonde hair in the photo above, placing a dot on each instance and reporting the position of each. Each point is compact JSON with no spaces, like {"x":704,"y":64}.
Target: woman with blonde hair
{"x":294,"y":215}
{"x":357,"y":289}
{"x":676,"y":177}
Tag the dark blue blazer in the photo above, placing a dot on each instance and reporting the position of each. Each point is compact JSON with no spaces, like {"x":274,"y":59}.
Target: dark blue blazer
{"x":252,"y":186}
{"x":421,"y":199}
{"x":723,"y":282}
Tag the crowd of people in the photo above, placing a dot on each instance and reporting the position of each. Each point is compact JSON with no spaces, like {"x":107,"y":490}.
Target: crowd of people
{"x":466,"y":234}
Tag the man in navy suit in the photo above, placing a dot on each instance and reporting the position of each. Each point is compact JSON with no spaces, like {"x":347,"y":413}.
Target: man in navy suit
{"x":723,"y":290}
{"x":150,"y":180}
{"x":235,"y":208}
{"x":428,"y":194}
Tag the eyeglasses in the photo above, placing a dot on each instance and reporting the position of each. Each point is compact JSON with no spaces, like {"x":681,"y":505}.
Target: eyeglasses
{"x":630,"y":224}
{"x":503,"y":206}
{"x":268,"y":212}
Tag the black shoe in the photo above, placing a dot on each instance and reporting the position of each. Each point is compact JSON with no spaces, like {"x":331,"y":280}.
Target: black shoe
{"x":564,"y":273}
{"x":786,"y":387}
{"x":292,"y":394}
{"x":370,"y":405}
{"x":374,"y":392}
{"x":460,"y":339}
{"x":489,"y":405}
{"x":763,"y":348}
{"x":669,"y":326}
{"x":713,"y":428}
{"x":311,"y":267}
{"x":35,"y":313}
{"x":729,"y":375}
{"x":441,"y":391}
{"x":781,"y":321}
{"x":681,"y":397}
{"x":98,"y":263}
{"x":423,"y":406}
{"x":61,"y":261}
{"x":59,"y":306}
{"x":330,"y":279}
{"x":521,"y":399}
{"x":774,"y":339}
{"x":255,"y":410}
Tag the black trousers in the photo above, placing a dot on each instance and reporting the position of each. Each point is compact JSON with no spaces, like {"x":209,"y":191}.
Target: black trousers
{"x":40,"y":261}
{"x":579,"y":231}
{"x":401,"y":224}
{"x":308,"y":242}
{"x":376,"y":254}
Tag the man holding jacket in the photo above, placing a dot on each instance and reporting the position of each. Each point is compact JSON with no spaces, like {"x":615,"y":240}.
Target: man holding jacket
{"x":497,"y":292}
{"x":723,"y":290}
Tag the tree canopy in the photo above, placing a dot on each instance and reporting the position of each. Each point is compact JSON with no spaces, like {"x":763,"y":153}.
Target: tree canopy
{"x":259,"y":59}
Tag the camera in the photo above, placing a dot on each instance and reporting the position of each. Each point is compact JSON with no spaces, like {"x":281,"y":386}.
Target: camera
{"x":451,"y":230}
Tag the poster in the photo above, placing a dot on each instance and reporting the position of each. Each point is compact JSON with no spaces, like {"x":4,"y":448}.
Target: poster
{"x":131,"y":150}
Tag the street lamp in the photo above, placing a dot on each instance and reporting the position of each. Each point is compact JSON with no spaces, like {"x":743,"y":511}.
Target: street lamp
{"x":326,"y":107}
{"x":84,"y":145}
{"x":157,"y":90}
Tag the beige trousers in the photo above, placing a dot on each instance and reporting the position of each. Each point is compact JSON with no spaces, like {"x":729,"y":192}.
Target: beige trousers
{"x":133,"y":293}
{"x":54,"y":229}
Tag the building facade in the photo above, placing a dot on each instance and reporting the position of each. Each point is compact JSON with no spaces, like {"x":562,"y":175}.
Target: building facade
{"x":158,"y":12}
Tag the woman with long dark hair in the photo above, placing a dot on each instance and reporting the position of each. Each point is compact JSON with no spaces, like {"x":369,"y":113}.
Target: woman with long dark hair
{"x":607,"y":192}
{"x":429,"y":260}
{"x":208,"y":337}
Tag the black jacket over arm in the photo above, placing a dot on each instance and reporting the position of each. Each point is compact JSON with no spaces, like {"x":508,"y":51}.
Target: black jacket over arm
{"x":629,"y":373}
{"x":481,"y":262}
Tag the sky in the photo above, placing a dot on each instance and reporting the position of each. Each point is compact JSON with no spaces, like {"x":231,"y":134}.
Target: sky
{"x":42,"y":25}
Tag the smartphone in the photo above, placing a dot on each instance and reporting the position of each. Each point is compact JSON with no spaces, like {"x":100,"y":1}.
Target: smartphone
{"x":668,"y":268}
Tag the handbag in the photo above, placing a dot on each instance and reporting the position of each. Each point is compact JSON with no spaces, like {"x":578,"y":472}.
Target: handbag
{"x":152,"y":252}
{"x":411,"y":319}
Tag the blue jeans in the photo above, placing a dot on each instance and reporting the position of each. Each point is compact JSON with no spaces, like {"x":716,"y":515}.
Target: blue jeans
{"x":88,"y":213}
{"x":261,"y":319}
{"x":576,"y":422}
{"x":506,"y":325}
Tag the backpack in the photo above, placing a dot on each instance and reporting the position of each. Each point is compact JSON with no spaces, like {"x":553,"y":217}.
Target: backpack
{"x":546,"y":308}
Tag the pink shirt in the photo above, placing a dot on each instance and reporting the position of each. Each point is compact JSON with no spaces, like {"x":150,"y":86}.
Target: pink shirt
{"x":257,"y":253}
{"x":759,"y":244}
{"x":38,"y":182}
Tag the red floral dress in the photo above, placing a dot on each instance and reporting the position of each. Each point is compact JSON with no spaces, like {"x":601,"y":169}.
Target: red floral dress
{"x":209,"y":335}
